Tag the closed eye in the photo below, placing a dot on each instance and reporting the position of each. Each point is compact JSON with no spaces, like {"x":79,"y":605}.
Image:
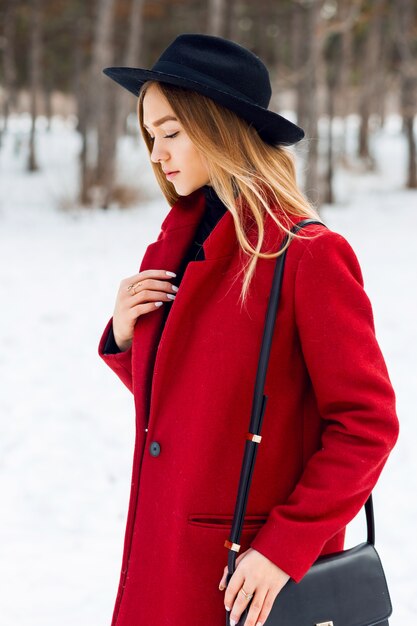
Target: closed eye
{"x":165,"y":137}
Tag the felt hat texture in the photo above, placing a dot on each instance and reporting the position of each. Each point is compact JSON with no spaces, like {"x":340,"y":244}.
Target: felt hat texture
{"x":222,"y":70}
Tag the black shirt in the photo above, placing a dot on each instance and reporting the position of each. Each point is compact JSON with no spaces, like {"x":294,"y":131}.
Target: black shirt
{"x":212,"y":214}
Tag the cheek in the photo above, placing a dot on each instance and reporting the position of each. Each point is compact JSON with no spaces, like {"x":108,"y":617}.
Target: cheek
{"x":197,"y":161}
{"x":191,"y":156}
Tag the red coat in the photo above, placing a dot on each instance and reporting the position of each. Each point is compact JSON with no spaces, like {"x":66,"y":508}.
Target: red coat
{"x":329,"y":425}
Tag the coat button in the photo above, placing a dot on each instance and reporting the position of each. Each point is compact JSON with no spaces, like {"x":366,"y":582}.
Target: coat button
{"x":155,"y":448}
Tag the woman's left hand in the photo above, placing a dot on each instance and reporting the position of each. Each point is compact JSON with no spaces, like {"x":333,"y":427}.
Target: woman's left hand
{"x":258,"y":576}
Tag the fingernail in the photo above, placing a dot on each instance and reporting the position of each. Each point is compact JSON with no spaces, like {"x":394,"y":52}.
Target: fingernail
{"x":171,"y":296}
{"x":170,"y":273}
{"x":227,"y":608}
{"x":258,"y":623}
{"x":174,"y":287}
{"x":232,"y":622}
{"x":158,"y":303}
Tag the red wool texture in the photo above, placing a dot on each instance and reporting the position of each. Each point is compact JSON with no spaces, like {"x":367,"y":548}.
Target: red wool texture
{"x":329,"y":425}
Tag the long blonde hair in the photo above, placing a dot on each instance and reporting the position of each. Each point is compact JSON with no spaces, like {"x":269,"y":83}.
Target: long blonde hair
{"x":239,"y":162}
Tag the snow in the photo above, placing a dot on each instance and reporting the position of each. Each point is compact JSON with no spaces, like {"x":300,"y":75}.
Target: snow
{"x":67,"y":427}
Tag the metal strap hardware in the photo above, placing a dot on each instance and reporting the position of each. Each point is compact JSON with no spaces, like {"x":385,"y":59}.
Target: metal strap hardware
{"x":232,"y":546}
{"x":254,"y":438}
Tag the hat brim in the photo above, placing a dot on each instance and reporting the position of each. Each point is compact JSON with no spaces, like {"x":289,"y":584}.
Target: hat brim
{"x":272,"y":127}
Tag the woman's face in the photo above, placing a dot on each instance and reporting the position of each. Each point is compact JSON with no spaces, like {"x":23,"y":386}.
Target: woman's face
{"x":171,"y":146}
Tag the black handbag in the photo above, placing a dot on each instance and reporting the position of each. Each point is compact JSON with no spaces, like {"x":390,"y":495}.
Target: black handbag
{"x":346,"y":588}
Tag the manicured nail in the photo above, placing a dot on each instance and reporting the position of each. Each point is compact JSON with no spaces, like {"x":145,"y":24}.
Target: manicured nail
{"x":158,"y":303}
{"x":174,"y":287}
{"x":171,"y":296}
{"x":170,"y":273}
{"x":232,"y":622}
{"x":227,"y":608}
{"x":259,"y":624}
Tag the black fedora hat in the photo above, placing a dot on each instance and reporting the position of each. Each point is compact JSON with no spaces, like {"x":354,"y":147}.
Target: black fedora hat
{"x":222,"y":70}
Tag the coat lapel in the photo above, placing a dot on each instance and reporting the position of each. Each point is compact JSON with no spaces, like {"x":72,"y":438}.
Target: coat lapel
{"x":177,"y":232}
{"x":167,"y":252}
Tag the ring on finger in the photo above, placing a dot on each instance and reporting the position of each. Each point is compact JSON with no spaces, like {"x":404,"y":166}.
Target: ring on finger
{"x":132,"y":286}
{"x":248,"y":596}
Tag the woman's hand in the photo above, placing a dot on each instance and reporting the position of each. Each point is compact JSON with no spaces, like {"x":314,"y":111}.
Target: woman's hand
{"x":151,"y":292}
{"x":258,"y":576}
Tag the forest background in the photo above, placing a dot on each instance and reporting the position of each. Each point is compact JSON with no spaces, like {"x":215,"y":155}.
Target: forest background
{"x":328,"y":59}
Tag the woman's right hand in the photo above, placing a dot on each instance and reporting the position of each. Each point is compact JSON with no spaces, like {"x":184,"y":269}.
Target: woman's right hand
{"x":154,"y":289}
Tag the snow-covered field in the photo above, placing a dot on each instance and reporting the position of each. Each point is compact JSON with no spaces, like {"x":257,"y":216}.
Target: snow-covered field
{"x":67,"y":423}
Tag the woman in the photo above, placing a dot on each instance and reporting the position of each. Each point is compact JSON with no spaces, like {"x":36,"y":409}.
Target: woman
{"x":189,"y":352}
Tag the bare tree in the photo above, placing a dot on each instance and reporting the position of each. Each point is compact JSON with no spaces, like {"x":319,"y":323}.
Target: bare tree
{"x":80,"y":81}
{"x":349,"y":13}
{"x":99,"y":150}
{"x":369,"y":65}
{"x":382,"y":86}
{"x":216,"y":17}
{"x":263,"y":19}
{"x":314,"y":36}
{"x":9,"y":63}
{"x":299,"y":56}
{"x":405,"y":25}
{"x":333,"y":58}
{"x":230,"y":20}
{"x":35,"y":54}
{"x":132,"y":58}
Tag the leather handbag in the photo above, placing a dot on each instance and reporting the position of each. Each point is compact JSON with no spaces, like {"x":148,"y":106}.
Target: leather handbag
{"x":346,"y":588}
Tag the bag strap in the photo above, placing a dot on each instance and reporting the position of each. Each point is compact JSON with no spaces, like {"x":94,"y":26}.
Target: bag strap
{"x":253,"y":437}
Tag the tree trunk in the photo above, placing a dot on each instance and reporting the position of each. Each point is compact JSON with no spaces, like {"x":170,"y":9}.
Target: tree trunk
{"x":412,"y":157}
{"x":328,"y":191}
{"x":35,"y":51}
{"x":99,"y":152}
{"x":132,"y":58}
{"x":9,"y":63}
{"x":81,"y":32}
{"x":314,"y":40}
{"x":299,"y":56}
{"x":263,"y":18}
{"x":48,"y":103}
{"x":216,"y":17}
{"x":346,"y":58}
{"x":382,"y":86}
{"x":230,"y":20}
{"x":372,"y":50}
{"x":405,"y":24}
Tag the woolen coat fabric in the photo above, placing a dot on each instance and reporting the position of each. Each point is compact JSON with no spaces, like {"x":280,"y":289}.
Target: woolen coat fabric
{"x":214,"y":209}
{"x":329,"y":425}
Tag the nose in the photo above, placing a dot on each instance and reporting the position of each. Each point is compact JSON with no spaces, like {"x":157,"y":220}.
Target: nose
{"x":158,"y":153}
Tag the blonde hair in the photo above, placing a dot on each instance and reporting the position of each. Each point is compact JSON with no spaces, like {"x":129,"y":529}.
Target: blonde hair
{"x":239,"y":162}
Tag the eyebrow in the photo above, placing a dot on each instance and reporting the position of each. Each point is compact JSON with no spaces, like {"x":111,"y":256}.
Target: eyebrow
{"x":162,"y":120}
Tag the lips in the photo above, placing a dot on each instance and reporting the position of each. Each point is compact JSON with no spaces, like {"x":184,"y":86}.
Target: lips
{"x":172,"y":172}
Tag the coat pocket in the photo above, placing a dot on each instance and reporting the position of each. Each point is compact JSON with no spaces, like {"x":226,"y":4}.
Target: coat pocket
{"x":214,"y":520}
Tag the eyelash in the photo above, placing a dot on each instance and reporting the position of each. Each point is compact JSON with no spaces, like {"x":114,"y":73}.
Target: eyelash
{"x":166,"y":136}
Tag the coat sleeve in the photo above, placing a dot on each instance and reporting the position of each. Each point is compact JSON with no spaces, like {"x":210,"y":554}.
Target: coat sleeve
{"x":120,"y":362}
{"x":355,"y":399}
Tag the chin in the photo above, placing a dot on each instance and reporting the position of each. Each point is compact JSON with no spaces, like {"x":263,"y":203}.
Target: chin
{"x":186,"y":191}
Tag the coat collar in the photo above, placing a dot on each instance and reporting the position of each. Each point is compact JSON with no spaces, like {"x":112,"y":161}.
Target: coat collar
{"x":181,"y":222}
{"x":177,"y":232}
{"x":186,"y":212}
